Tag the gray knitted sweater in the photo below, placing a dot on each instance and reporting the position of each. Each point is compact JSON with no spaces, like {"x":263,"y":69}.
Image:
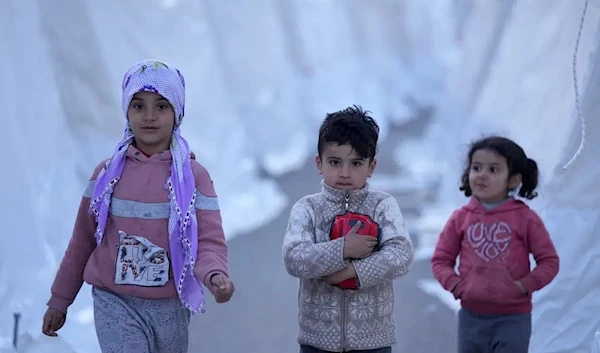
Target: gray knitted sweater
{"x":339,"y":320}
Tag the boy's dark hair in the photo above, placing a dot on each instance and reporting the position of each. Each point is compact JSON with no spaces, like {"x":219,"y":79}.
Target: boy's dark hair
{"x":351,"y":126}
{"x":517,"y":162}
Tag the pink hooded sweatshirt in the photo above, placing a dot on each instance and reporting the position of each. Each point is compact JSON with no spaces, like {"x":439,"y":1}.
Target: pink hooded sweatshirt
{"x":494,"y":246}
{"x":139,"y":206}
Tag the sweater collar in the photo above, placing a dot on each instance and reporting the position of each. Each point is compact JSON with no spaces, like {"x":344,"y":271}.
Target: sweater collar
{"x":352,"y":197}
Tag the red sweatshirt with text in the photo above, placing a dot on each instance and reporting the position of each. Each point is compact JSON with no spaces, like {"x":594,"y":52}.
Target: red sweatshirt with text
{"x":493,"y":246}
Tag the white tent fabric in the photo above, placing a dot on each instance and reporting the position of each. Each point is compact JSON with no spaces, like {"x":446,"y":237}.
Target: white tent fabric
{"x":566,"y":314}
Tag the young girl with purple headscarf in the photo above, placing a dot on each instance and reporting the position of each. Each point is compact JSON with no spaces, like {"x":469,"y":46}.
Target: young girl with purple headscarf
{"x":148,"y":234}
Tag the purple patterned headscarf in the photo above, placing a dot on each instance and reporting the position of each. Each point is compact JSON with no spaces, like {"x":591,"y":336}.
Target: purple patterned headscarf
{"x":158,"y":77}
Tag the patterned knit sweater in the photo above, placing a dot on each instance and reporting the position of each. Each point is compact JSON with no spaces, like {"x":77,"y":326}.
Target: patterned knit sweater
{"x":331,"y":318}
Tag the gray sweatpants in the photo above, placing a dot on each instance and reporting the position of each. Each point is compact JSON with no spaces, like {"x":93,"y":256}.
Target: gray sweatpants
{"x":136,"y":325}
{"x":479,"y":333}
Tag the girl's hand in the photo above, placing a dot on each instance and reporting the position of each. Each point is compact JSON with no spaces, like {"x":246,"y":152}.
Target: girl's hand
{"x":53,"y":321}
{"x":457,"y":291}
{"x":222,"y":288}
{"x":521,"y":287}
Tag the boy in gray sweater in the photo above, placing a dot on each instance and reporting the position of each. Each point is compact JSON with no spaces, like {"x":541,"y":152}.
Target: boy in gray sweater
{"x":334,"y":317}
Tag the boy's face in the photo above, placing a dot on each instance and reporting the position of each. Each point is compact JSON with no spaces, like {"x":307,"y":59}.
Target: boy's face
{"x":343,"y":168}
{"x":152,"y":119}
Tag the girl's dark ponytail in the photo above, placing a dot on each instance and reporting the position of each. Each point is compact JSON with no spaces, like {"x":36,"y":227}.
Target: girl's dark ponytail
{"x":529,"y":180}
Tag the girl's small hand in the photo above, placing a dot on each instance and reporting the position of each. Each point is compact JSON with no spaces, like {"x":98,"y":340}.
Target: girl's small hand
{"x":521,"y":287}
{"x":457,"y":291}
{"x":223,"y":288}
{"x":53,"y":321}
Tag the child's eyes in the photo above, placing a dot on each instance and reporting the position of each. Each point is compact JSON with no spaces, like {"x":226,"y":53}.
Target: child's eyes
{"x":161,"y":106}
{"x":354,"y":164}
{"x":477,"y":168}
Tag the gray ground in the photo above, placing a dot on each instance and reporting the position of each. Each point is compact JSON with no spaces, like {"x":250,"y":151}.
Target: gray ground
{"x":261,"y":317}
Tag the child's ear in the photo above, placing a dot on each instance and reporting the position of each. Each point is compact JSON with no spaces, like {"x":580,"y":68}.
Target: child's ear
{"x":372,"y":166}
{"x":515,"y":181}
{"x":319,"y":164}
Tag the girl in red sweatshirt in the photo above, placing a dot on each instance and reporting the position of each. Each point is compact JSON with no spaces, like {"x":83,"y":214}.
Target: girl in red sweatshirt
{"x":493,"y":234}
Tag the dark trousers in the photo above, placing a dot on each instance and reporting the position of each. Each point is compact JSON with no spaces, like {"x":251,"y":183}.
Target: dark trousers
{"x":309,"y":349}
{"x":478,"y":333}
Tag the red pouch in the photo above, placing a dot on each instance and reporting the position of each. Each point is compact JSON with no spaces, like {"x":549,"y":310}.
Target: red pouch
{"x":342,"y":225}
